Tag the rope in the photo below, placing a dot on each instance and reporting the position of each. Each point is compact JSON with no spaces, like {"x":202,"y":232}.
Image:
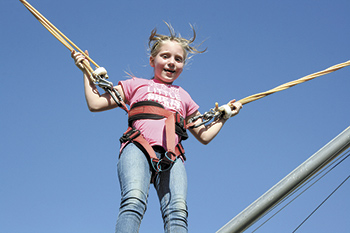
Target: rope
{"x":293,"y":83}
{"x":69,"y":44}
{"x":59,"y":35}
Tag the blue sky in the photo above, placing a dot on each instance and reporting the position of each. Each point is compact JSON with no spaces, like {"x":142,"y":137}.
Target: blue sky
{"x":58,"y":160}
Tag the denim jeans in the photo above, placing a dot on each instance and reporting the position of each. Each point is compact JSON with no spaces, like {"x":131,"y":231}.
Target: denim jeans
{"x":135,"y":175}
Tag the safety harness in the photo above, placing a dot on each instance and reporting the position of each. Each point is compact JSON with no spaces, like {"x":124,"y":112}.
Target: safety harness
{"x":174,"y":124}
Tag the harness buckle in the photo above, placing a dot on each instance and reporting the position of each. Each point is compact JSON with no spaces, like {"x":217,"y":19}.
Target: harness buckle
{"x":130,"y":135}
{"x":179,"y":120}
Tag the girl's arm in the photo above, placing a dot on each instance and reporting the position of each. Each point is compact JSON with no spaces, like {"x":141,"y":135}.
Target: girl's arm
{"x":206,"y":133}
{"x":95,"y":101}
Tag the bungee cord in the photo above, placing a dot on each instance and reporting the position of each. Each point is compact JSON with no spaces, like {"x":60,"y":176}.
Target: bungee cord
{"x":98,"y":76}
{"x":213,"y":113}
{"x":59,"y":35}
{"x":293,"y":83}
{"x":219,"y":111}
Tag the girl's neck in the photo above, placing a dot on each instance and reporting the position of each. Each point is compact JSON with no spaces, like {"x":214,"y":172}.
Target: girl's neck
{"x":160,"y":81}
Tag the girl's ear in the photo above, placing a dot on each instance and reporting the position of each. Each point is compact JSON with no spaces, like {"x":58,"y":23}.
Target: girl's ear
{"x":151,"y":61}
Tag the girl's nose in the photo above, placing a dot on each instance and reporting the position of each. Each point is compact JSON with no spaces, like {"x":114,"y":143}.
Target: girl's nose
{"x":171,"y":61}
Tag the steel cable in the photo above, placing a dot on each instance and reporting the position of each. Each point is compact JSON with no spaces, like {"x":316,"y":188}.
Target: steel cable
{"x":321,"y":203}
{"x":341,"y":158}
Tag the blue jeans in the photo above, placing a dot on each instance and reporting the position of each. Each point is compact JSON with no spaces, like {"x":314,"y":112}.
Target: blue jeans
{"x":135,"y":175}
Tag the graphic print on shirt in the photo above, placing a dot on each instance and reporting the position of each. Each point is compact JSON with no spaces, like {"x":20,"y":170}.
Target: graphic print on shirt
{"x":164,"y":94}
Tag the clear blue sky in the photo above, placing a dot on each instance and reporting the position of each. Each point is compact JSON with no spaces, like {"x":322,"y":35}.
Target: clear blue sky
{"x":58,"y":160}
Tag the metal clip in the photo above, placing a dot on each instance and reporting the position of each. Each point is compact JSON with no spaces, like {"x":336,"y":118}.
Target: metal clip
{"x":103,"y":83}
{"x":206,"y":117}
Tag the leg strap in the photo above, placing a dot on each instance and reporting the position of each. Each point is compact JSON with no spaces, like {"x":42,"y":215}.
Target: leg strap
{"x":134,"y":135}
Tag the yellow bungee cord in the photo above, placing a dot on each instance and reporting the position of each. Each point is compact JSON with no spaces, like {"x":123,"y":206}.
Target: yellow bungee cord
{"x":218,"y":110}
{"x":62,"y":38}
{"x":293,"y":83}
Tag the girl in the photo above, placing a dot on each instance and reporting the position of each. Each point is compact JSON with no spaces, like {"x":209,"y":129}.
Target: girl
{"x":137,"y":169}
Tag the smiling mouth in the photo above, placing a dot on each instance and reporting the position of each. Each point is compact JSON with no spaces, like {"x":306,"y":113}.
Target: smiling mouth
{"x":171,"y":71}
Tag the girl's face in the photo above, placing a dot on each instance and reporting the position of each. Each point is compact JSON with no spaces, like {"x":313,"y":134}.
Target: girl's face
{"x":169,"y":62}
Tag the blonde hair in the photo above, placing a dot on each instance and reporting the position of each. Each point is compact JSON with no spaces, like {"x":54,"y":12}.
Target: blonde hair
{"x":157,"y":40}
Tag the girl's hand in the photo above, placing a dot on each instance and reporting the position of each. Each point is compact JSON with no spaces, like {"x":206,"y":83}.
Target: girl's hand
{"x":235,"y":107}
{"x":79,"y":58}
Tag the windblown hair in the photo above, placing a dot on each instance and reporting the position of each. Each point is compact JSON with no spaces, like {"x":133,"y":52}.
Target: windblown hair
{"x":156,"y":41}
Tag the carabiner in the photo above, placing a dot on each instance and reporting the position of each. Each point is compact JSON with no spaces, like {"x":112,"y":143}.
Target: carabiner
{"x":206,"y":117}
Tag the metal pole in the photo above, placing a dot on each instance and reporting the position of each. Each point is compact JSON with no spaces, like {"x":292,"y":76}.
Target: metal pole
{"x":289,"y":183}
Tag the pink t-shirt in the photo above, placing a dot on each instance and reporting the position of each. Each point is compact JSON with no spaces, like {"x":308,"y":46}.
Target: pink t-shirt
{"x":172,"y":97}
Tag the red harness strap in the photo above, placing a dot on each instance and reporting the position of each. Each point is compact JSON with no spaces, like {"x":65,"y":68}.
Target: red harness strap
{"x":169,"y":123}
{"x":156,"y":112}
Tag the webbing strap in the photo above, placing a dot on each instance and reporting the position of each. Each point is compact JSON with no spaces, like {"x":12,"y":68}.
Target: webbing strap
{"x":152,"y":110}
{"x":169,"y":124}
{"x":159,"y":164}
